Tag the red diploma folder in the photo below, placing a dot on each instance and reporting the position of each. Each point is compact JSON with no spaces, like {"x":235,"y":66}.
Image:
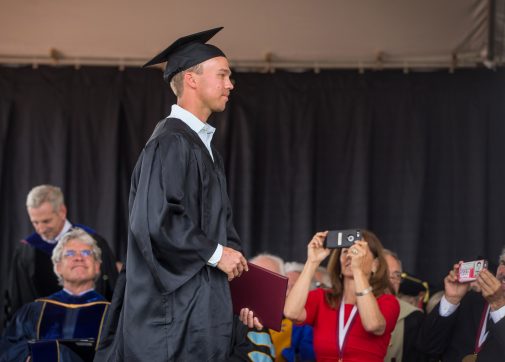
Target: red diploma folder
{"x":263,"y":292}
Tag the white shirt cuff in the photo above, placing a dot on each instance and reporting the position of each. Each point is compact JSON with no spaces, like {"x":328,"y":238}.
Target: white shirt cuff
{"x":497,"y":315}
{"x":214,"y":259}
{"x":446,"y":308}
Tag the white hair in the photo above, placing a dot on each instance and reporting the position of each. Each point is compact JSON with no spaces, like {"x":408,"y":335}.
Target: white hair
{"x":274,"y":258}
{"x":74,"y":234}
{"x":293,"y":266}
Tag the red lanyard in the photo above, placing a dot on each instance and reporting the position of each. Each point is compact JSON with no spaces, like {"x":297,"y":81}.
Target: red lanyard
{"x":481,"y":332}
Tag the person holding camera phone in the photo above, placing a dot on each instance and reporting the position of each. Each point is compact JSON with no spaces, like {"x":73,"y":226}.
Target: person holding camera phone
{"x":468,"y":325}
{"x":353,"y":319}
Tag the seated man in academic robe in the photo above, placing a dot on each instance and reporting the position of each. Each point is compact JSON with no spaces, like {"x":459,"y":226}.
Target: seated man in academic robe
{"x":402,"y":346}
{"x":31,"y":275}
{"x":468,"y":325}
{"x":65,"y":325}
{"x":291,"y":343}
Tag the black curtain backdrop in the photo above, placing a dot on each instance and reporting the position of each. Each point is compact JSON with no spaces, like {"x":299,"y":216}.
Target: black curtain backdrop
{"x":418,"y":158}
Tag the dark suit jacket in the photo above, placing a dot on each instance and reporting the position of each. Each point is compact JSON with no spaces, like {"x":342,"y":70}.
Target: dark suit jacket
{"x":493,"y":348}
{"x":451,"y":338}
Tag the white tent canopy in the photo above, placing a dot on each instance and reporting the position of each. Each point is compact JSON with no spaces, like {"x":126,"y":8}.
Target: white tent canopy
{"x":258,"y":33}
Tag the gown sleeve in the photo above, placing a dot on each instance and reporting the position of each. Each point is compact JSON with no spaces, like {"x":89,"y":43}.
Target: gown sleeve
{"x":14,"y":342}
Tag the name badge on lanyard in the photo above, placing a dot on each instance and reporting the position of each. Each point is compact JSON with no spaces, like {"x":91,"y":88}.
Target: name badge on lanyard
{"x":343,"y":328}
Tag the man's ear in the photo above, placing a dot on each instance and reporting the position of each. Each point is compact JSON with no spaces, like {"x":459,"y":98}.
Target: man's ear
{"x":97,"y":267}
{"x":190,"y":80}
{"x":63,"y":211}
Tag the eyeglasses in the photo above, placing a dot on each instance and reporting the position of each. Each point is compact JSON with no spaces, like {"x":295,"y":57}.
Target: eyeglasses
{"x":83,"y":253}
{"x":395,"y":276}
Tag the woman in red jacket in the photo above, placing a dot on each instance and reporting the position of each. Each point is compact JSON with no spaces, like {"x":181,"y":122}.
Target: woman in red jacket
{"x":354,"y":319}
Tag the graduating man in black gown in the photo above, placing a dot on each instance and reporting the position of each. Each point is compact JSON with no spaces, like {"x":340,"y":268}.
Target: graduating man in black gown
{"x":43,"y":328}
{"x":31,"y":275}
{"x":182,"y":245}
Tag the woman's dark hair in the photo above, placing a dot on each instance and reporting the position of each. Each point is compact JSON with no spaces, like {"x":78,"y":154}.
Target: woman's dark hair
{"x":379,"y":280}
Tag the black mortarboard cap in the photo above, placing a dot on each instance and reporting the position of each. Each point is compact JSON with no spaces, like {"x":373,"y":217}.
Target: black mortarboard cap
{"x":186,"y":52}
{"x":411,"y":285}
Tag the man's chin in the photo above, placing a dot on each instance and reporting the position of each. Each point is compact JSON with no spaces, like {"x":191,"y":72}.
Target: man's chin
{"x":219,"y":107}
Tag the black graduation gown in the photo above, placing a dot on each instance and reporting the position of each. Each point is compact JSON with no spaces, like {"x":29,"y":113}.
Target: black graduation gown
{"x":32,"y":276}
{"x":60,"y":316}
{"x":176,"y":307}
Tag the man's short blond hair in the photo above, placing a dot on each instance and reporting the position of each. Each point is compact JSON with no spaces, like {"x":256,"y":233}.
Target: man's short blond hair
{"x":177,"y":82}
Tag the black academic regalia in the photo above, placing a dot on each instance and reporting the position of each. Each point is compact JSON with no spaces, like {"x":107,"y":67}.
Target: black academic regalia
{"x":32,"y":276}
{"x":175,"y":306}
{"x":453,"y":337}
{"x":413,"y":323}
{"x":60,"y":317}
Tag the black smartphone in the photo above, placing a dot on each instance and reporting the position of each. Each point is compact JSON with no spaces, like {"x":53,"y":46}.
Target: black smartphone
{"x":341,"y":238}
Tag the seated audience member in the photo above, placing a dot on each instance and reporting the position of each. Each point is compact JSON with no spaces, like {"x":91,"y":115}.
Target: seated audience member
{"x":42,"y":329}
{"x":291,"y":342}
{"x":467,"y":325}
{"x":260,"y":335}
{"x":31,"y":274}
{"x":250,"y":344}
{"x":298,"y":338}
{"x":293,"y":270}
{"x":403,"y":339}
{"x":354,"y":319}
